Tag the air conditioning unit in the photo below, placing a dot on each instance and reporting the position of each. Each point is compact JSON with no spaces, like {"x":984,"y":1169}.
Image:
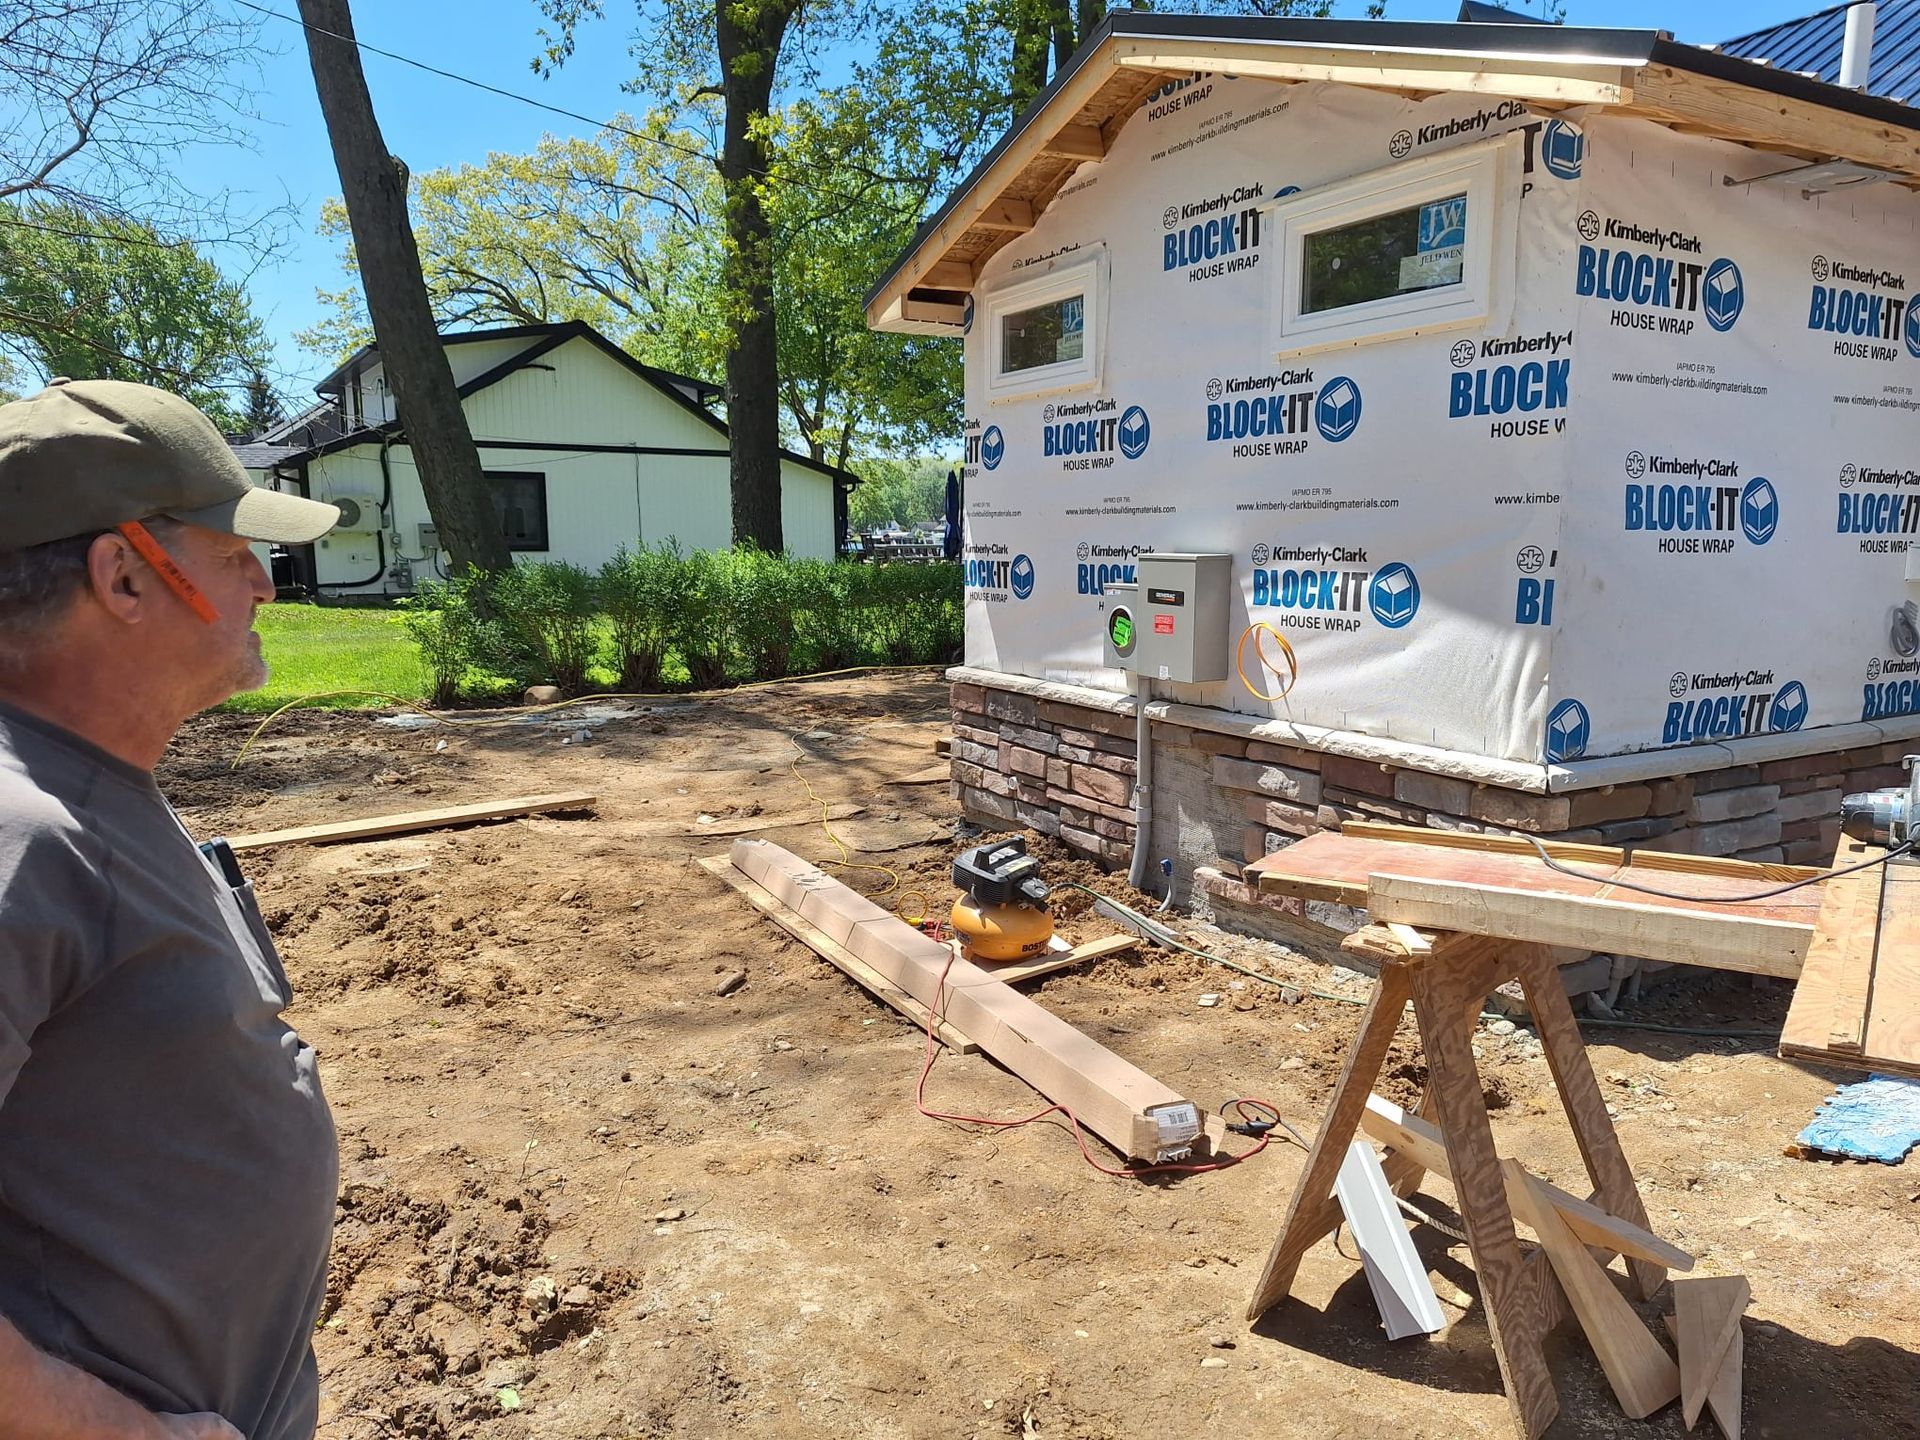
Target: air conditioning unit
{"x":359,"y":505}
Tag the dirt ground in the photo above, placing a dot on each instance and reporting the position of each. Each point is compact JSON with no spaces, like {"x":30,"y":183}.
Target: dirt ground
{"x":582,"y":1195}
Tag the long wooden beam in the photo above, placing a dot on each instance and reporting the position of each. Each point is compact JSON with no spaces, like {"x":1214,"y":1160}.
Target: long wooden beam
{"x":1716,"y":939}
{"x":414,"y":820}
{"x":1581,"y":854}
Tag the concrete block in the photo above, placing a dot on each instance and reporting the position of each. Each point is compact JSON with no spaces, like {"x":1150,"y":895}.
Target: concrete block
{"x":1625,"y":832}
{"x":1113,"y":829}
{"x":1432,"y":792}
{"x":887,"y":942}
{"x":1119,"y":764}
{"x":1520,"y":810}
{"x":1375,"y":807}
{"x":1057,"y":774}
{"x":750,"y":858}
{"x":1670,"y":797}
{"x":1082,"y":840}
{"x":975,"y":777}
{"x":1030,"y":789}
{"x":1279,"y":815}
{"x":1730,"y":837}
{"x":1834,"y":780}
{"x":1879,"y":777}
{"x":1105,"y":722}
{"x":1812,"y":851}
{"x":1284,"y":755}
{"x":1076,"y":754}
{"x":1020,"y":709}
{"x":1440,"y":820}
{"x":1045,"y":741}
{"x":1281,"y":781}
{"x":985,"y":802}
{"x":1166,"y":734}
{"x":1330,"y":816}
{"x":1620,"y":802}
{"x":1015,"y":760}
{"x":978,"y":734}
{"x":975,"y":753}
{"x":1038,"y":817}
{"x":1718,"y":805}
{"x":1765,"y":855}
{"x":1732,"y":778}
{"x":1812,"y":805}
{"x":1801,"y":767}
{"x":1209,"y":743}
{"x":1260,"y":842}
{"x":968,"y":697}
{"x":1088,"y":805}
{"x":1808,"y":829}
{"x":1364,"y":777}
{"x":1104,"y":785}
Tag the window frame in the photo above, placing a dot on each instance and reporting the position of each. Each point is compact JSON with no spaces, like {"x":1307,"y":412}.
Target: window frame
{"x":1081,"y":274}
{"x":1487,"y":172}
{"x":546,"y":529}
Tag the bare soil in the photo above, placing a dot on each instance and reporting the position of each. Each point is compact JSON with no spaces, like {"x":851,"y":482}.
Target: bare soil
{"x":583,"y":1195}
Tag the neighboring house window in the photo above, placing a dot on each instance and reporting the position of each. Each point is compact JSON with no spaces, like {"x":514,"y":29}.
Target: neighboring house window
{"x":1427,"y":245}
{"x":520,"y":500}
{"x":1044,"y":331}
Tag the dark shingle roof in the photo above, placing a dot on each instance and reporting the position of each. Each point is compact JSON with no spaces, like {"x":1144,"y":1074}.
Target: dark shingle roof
{"x":1811,"y":45}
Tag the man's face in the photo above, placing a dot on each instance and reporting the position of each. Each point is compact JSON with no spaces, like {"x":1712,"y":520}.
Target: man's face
{"x":219,"y":660}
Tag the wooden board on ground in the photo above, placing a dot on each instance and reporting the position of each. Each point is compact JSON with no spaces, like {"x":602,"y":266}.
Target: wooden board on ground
{"x":1858,"y":1001}
{"x":1706,"y":1317}
{"x":928,"y":776}
{"x":1012,"y":972}
{"x":414,"y":820}
{"x":1339,"y":868}
{"x":1723,"y":1398}
{"x":834,"y":953}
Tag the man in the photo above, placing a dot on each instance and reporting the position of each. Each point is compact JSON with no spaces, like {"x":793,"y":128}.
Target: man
{"x":167,"y":1161}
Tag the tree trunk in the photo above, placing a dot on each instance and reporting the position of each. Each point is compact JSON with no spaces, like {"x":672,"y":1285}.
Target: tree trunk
{"x":748,"y":54}
{"x":374,"y":185}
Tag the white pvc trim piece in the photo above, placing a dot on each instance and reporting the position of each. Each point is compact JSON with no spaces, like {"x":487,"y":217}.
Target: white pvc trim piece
{"x":1401,"y":1287}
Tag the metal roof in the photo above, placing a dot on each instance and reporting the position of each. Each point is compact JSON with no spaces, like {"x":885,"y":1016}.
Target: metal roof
{"x":1811,"y":46}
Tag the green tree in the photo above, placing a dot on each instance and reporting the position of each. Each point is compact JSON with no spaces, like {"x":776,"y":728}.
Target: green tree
{"x":95,"y":297}
{"x":264,"y":410}
{"x":899,"y":492}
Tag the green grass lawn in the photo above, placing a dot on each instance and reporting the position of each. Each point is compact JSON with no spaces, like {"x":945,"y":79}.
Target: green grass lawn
{"x":310,"y":648}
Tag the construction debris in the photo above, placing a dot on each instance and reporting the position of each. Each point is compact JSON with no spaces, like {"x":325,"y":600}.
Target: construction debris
{"x":415,"y":820}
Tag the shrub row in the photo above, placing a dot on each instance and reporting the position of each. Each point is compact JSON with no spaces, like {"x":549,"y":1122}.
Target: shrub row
{"x":655,"y":618}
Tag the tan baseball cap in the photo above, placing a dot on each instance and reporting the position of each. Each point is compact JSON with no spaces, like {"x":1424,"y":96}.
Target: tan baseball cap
{"x":83,"y":456}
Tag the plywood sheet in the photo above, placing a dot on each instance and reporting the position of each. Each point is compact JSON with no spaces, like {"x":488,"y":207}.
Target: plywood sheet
{"x":1858,"y":1001}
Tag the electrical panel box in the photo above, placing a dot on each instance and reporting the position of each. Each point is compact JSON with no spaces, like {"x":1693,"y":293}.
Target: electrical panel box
{"x":1119,"y":627}
{"x":1180,"y":617}
{"x":429,"y":538}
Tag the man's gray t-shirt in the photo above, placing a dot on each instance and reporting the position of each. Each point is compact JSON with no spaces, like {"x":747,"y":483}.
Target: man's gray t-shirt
{"x":167,"y":1162}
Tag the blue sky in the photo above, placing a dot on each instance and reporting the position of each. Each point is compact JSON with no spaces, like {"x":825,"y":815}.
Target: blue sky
{"x":431,"y":122}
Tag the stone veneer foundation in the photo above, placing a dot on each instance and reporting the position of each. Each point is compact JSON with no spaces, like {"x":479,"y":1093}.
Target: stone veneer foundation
{"x":1067,"y":769}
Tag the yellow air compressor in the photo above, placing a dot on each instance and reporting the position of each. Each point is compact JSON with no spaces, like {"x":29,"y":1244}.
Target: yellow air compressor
{"x":1002,"y":910}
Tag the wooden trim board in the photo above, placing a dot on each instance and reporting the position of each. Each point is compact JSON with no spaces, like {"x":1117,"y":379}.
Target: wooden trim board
{"x":1012,"y":972}
{"x":411,"y":820}
{"x":1858,"y":1000}
{"x":1718,"y":939}
{"x":834,"y":953}
{"x":1580,"y":854}
{"x":1415,"y":1138}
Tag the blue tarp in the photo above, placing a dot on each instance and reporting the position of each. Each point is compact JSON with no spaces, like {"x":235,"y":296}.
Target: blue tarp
{"x":1877,"y":1119}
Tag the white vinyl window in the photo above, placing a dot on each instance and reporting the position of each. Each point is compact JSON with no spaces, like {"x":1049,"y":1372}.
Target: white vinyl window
{"x":1045,"y":332}
{"x":1424,"y":245}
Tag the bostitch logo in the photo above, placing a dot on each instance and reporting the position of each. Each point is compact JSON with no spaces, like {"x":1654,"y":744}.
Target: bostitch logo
{"x":1217,"y":236}
{"x":1870,"y":321}
{"x":1656,"y":290}
{"x":1527,"y":387}
{"x":1725,"y":705}
{"x":1104,"y":565}
{"x":1328,"y":587}
{"x":1336,"y":409}
{"x":1261,"y":415}
{"x":1569,"y":728}
{"x":1695,"y":518}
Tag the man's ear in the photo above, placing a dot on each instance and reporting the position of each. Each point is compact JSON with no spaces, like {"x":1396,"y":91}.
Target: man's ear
{"x":117,"y":579}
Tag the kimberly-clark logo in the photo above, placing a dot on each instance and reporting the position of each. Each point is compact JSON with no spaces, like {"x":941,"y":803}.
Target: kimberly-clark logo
{"x":992,"y":577}
{"x":1869,"y":310}
{"x":1090,"y":433}
{"x":1336,"y":409}
{"x":1693,"y":517}
{"x":1730,"y":703}
{"x":1328,"y":587}
{"x":1215,"y":236}
{"x":1261,"y":414}
{"x":1569,"y":727}
{"x":1651,"y":282}
{"x":1528,"y":387}
{"x":1104,"y":565}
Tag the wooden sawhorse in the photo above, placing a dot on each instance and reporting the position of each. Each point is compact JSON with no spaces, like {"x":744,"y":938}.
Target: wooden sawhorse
{"x":1448,"y":976}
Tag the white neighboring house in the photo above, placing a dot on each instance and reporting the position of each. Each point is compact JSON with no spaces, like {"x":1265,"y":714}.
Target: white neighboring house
{"x":585,"y":450}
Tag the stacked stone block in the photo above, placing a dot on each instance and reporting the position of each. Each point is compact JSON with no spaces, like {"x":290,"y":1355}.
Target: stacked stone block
{"x":1068,"y":770}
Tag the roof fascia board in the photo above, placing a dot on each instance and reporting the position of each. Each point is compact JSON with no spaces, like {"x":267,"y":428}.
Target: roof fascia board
{"x":1595,"y":82}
